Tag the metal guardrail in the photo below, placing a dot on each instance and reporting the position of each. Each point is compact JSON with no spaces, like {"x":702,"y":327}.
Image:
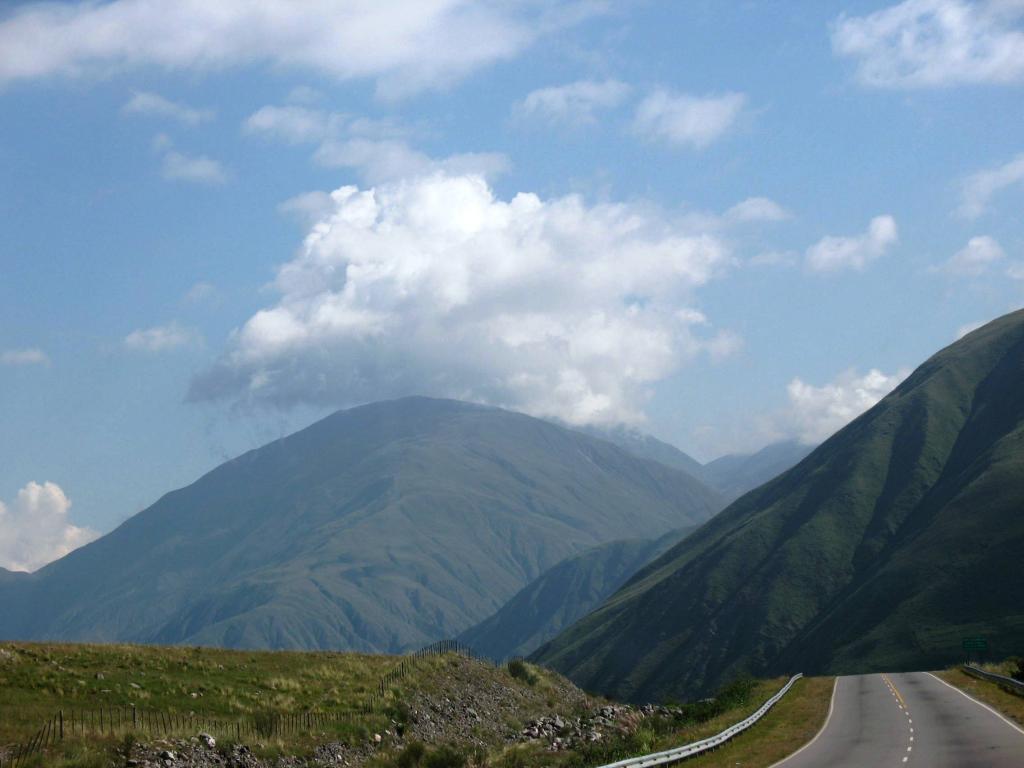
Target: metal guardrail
{"x":1016,"y":686}
{"x":699,"y":747}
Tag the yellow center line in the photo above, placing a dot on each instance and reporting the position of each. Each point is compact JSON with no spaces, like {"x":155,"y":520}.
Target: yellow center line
{"x":895,"y":690}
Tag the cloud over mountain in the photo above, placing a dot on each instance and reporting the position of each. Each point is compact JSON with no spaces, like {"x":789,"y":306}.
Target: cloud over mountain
{"x":35,"y":528}
{"x":435,"y":285}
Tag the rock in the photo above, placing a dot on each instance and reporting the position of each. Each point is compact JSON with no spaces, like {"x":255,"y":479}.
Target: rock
{"x":168,"y":754}
{"x":136,"y":686}
{"x":208,"y":741}
{"x":377,"y":738}
{"x":99,"y":675}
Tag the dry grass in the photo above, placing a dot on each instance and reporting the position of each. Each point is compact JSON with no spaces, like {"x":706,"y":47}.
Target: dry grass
{"x":1009,"y":704}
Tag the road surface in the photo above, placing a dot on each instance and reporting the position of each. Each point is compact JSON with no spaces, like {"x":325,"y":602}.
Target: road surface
{"x":909,"y":719}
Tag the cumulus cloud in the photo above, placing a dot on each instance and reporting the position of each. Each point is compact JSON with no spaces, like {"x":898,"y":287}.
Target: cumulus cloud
{"x":35,"y":528}
{"x":833,"y":253}
{"x":404,"y":46}
{"x":685,"y":120}
{"x":161,"y":338}
{"x":974,"y":259}
{"x":979,"y":188}
{"x":29,"y":356}
{"x":573,"y":103}
{"x":434,"y":285}
{"x":198,"y":169}
{"x":155,"y":105}
{"x":932,"y":43}
{"x":815,"y":413}
{"x":377,"y":150}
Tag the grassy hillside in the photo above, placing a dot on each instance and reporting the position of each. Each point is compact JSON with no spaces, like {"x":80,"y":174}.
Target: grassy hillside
{"x":893,"y":540}
{"x":563,"y":594}
{"x":170,"y":683}
{"x":380,"y":528}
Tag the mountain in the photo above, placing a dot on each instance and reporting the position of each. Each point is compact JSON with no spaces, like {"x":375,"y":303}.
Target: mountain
{"x":563,"y":594}
{"x":647,"y":447}
{"x":383,"y":527}
{"x":731,"y":475}
{"x":735,"y":474}
{"x":896,"y":538}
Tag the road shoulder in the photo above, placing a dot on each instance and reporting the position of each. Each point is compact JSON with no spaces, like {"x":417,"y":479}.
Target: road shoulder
{"x":792,"y":723}
{"x":1007,"y":704}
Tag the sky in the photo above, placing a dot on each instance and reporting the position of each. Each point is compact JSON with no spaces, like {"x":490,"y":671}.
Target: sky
{"x":725,"y":224}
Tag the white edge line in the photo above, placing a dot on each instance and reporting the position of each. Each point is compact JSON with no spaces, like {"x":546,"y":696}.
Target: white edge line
{"x":828,"y":717}
{"x":979,"y":703}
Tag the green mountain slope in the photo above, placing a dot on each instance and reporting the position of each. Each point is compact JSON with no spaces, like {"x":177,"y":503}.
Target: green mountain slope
{"x":563,"y":594}
{"x":894,"y":539}
{"x":735,"y":474}
{"x":378,"y":528}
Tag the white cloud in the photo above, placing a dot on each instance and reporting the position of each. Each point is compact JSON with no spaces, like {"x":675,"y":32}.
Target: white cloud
{"x":193,"y":168}
{"x":404,"y":46}
{"x":979,"y":188}
{"x":379,"y":161}
{"x":833,"y":253}
{"x":309,"y":207}
{"x":30,"y":356}
{"x":294,"y":124}
{"x":377,"y":150}
{"x":693,"y":121}
{"x":1015,"y":271}
{"x":757,"y":209}
{"x":573,"y":103}
{"x":433,"y":285}
{"x":974,"y":259}
{"x":35,"y":529}
{"x":815,"y":413}
{"x":933,"y":43}
{"x":160,"y":338}
{"x":153,"y":104}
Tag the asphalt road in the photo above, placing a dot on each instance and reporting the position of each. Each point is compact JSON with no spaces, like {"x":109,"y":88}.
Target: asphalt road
{"x":909,"y":719}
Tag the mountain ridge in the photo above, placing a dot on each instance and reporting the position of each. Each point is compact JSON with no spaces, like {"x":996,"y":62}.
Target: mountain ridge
{"x":381,"y":527}
{"x":880,"y":550}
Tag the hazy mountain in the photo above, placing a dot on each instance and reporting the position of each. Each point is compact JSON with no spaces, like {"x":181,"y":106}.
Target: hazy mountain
{"x":731,"y":475}
{"x":379,"y":528}
{"x":892,"y":541}
{"x":563,"y":594}
{"x":647,"y":447}
{"x":735,"y":474}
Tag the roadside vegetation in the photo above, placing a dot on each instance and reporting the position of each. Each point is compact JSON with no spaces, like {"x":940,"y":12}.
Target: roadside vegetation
{"x":447,"y":712}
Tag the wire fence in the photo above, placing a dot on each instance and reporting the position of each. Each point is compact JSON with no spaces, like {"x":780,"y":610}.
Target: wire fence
{"x":128,"y":718}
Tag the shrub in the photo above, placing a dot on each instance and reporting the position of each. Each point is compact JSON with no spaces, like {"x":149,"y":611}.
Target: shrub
{"x":1018,"y":673}
{"x":519,"y":670}
{"x":445,"y":756}
{"x":411,"y":756}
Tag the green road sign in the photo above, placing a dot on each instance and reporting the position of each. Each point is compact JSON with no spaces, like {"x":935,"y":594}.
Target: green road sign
{"x":975,"y":644}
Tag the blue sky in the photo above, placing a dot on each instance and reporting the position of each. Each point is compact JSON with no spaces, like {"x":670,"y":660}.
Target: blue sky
{"x":727,"y":224}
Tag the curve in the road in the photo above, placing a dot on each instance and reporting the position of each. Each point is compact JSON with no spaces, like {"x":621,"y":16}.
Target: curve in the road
{"x":909,"y":719}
